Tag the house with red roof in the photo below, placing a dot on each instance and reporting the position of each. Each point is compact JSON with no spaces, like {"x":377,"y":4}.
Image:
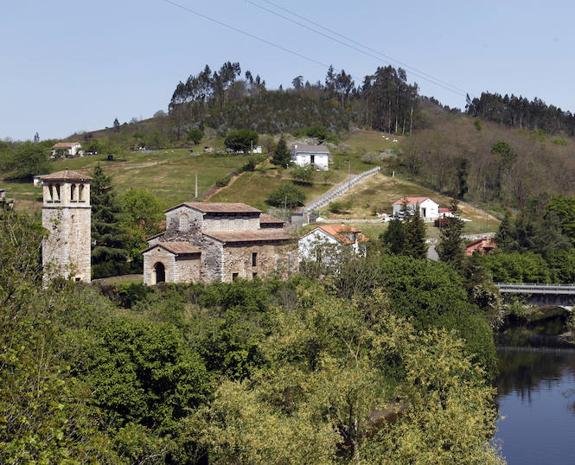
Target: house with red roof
{"x":328,"y":240}
{"x":428,"y":209}
{"x":481,"y":246}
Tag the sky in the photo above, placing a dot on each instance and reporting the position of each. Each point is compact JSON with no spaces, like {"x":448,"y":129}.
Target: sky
{"x":75,"y":65}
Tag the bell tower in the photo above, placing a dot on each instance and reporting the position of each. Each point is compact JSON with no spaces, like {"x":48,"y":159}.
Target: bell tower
{"x":66,"y":215}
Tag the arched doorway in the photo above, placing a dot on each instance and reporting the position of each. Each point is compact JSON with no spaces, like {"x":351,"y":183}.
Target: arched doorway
{"x":159,"y":273}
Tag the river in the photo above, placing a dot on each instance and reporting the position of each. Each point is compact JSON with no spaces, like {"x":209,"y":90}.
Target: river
{"x":536,"y":398}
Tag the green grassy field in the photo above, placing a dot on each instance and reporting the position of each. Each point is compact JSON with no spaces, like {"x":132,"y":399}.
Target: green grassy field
{"x":378,"y":193}
{"x":169,"y":174}
{"x":254,"y":188}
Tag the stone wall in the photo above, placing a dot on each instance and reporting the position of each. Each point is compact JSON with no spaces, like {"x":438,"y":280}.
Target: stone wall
{"x":272,"y":259}
{"x":182,"y":218}
{"x":188,"y":269}
{"x":160,"y":255}
{"x":248,"y":222}
{"x":67,"y":249}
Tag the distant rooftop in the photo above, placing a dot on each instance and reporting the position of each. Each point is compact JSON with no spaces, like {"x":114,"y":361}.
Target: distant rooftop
{"x":177,"y":248}
{"x":65,"y":145}
{"x":269,"y":219}
{"x":258,"y":235}
{"x":66,"y":175}
{"x":308,"y":148}
{"x":411,"y":200}
{"x":340,"y":233}
{"x":218,"y":207}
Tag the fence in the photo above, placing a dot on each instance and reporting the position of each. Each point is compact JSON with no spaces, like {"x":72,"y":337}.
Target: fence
{"x":339,"y":190}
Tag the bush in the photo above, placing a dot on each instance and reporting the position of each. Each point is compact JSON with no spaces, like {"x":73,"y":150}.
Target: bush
{"x":287,"y":195}
{"x":195,"y":135}
{"x":223,"y":182}
{"x":515,"y":267}
{"x":339,"y":206}
{"x":303,"y":174}
{"x":241,"y":141}
{"x":319,"y":132}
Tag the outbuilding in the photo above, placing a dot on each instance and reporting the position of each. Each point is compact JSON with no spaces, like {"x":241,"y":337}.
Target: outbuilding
{"x":316,"y":156}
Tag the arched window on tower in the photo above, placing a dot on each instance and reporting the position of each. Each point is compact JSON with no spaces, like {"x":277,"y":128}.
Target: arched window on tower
{"x":81,"y":194}
{"x":73,"y":193}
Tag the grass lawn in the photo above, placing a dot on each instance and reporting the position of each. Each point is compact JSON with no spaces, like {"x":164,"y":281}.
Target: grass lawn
{"x":169,"y":174}
{"x":380,"y":191}
{"x":370,"y":141}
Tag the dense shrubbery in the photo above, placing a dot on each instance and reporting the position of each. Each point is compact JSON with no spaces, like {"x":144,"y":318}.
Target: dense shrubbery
{"x":249,"y":372}
{"x":286,"y":196}
{"x":241,"y":141}
{"x":537,"y":245}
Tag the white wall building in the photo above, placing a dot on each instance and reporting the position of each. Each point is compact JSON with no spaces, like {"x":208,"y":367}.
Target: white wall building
{"x":67,"y":149}
{"x":326,"y":241}
{"x":316,"y":156}
{"x":428,"y":209}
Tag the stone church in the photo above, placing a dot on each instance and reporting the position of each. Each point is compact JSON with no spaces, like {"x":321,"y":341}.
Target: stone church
{"x":218,"y":242}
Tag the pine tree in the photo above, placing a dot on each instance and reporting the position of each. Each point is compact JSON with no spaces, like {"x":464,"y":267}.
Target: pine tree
{"x":116,"y":124}
{"x":415,"y":245}
{"x":109,"y":250}
{"x":36,"y":137}
{"x":281,"y":156}
{"x":394,"y":237}
{"x":506,"y":237}
{"x":450,"y":247}
{"x":462,"y":174}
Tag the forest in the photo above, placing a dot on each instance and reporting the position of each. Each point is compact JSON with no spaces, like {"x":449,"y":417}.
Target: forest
{"x":388,"y":361}
{"x":222,"y":99}
{"x":520,"y":112}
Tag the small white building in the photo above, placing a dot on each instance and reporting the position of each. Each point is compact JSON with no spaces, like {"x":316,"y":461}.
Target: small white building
{"x":326,"y":241}
{"x":67,"y":150}
{"x":316,"y":156}
{"x":428,"y":209}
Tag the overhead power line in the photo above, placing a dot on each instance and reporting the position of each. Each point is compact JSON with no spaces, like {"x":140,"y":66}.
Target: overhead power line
{"x":246,"y":33}
{"x":354,"y":44}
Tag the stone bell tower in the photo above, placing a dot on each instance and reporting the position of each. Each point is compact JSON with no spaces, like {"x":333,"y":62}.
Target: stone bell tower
{"x":66,"y":215}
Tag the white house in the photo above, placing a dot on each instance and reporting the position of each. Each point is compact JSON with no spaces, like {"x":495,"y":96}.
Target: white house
{"x":316,"y":156}
{"x":325,"y":241}
{"x":67,"y":149}
{"x":428,"y":209}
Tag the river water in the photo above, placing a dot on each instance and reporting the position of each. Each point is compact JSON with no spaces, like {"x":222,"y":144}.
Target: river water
{"x":536,"y":406}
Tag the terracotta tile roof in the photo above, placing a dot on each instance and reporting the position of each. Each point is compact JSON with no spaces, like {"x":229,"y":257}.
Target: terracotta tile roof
{"x":222,"y":207}
{"x":339,"y":232}
{"x":65,"y":145}
{"x":66,"y":175}
{"x":269,"y":219}
{"x":444,"y":210}
{"x":177,"y":248}
{"x":308,"y":148}
{"x":411,"y":200}
{"x":258,"y":235}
